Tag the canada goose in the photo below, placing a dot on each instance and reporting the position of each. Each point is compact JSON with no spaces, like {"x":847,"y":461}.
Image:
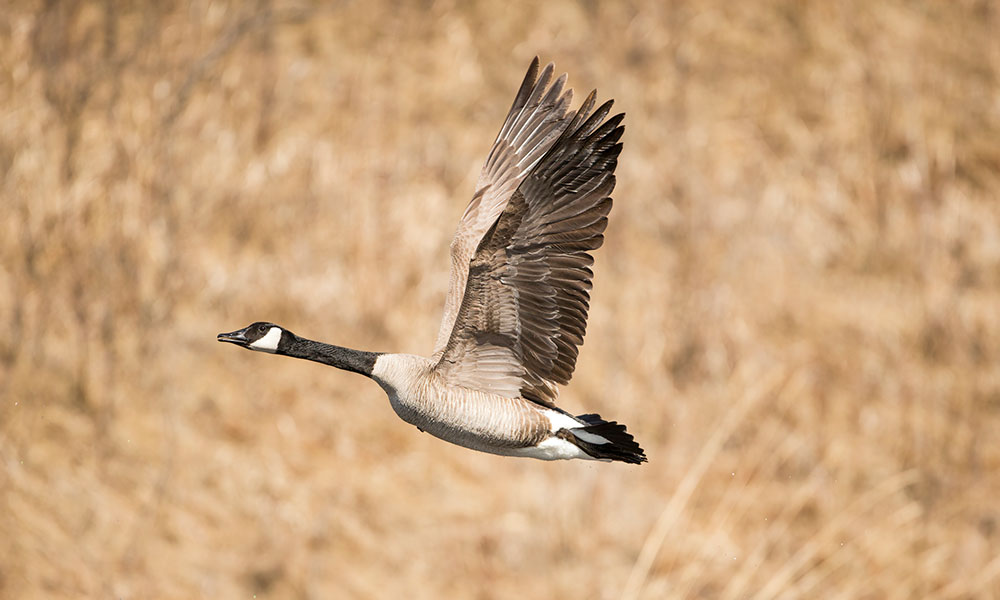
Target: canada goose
{"x":516,"y":310}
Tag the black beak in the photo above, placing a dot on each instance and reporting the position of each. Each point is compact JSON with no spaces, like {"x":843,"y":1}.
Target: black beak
{"x":236,"y":337}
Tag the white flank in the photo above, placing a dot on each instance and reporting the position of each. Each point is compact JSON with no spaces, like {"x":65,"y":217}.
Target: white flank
{"x":553,"y":448}
{"x":268,"y":343}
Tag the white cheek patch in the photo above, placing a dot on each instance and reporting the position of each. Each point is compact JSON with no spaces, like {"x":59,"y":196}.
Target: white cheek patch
{"x":268,"y":343}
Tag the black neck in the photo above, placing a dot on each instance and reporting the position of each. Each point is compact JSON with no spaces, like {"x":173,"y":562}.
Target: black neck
{"x":355,"y":361}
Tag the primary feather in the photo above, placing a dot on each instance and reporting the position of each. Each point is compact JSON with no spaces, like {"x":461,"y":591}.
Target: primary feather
{"x":524,"y":308}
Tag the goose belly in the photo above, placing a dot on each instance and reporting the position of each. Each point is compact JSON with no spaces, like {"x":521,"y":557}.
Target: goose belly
{"x":471,"y":418}
{"x":474,"y":419}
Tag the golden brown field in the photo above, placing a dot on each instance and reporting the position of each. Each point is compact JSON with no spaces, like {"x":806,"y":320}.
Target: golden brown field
{"x":797,"y":309}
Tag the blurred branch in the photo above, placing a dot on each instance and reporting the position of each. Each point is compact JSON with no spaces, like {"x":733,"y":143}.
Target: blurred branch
{"x":68,"y":77}
{"x":767,"y":386}
{"x":966,"y":588}
{"x":256,"y":20}
{"x":777,"y":585}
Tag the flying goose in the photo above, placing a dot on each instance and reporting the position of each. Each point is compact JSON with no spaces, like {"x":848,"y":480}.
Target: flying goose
{"x":516,"y":310}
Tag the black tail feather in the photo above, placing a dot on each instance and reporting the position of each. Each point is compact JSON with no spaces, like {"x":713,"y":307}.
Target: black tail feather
{"x":620,"y":446}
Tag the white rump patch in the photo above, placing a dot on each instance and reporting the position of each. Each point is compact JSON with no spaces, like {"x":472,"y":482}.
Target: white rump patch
{"x":562,"y":421}
{"x":268,"y":343}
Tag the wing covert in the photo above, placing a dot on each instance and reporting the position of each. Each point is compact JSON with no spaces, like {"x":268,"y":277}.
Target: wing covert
{"x":535,"y":121}
{"x":528,"y":287}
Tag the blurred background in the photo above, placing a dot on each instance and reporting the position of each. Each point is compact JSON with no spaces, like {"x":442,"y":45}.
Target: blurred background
{"x":795,"y":311}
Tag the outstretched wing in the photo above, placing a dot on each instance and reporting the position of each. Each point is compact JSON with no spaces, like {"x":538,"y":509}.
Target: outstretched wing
{"x":524,"y":309}
{"x":536,"y":119}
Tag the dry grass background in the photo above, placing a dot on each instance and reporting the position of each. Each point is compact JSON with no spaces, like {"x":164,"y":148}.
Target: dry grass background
{"x":796,"y":310}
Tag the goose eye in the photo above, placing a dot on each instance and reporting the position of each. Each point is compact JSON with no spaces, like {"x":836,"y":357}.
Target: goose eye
{"x":260,"y":329}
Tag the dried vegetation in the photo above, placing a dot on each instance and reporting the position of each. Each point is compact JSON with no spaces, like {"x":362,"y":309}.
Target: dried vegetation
{"x":797,"y":309}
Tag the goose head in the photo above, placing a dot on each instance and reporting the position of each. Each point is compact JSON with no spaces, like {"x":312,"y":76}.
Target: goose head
{"x":260,"y":336}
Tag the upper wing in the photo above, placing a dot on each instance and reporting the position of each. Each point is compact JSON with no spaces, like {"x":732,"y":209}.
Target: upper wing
{"x":536,"y":119}
{"x":524,"y":309}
